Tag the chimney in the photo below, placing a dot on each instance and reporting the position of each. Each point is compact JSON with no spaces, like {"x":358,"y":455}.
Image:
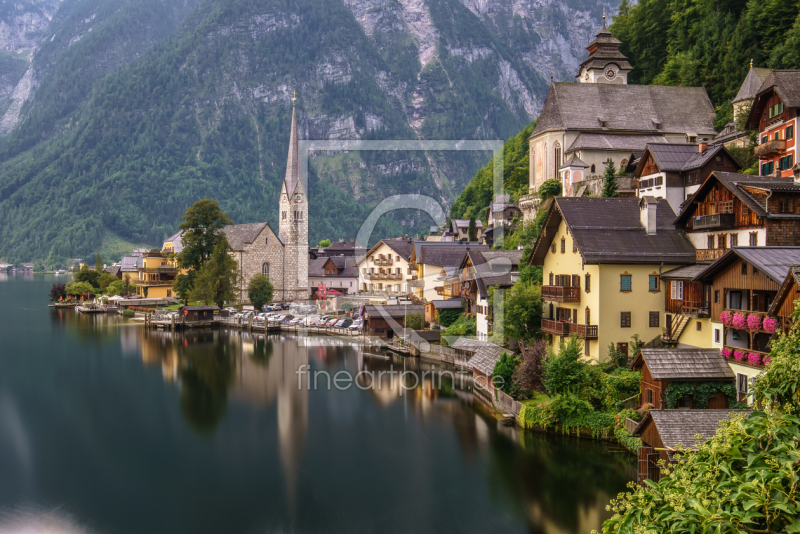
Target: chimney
{"x":647,"y":214}
{"x":703,"y":146}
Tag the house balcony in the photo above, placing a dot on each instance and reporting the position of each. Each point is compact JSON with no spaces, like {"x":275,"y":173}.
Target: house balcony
{"x":710,"y":254}
{"x":772,"y":148}
{"x":162,"y":269}
{"x":762,"y":315}
{"x":696,"y":310}
{"x":154,"y":283}
{"x":749,"y":357}
{"x":557,"y":328}
{"x":385,"y":261}
{"x":561,"y":293}
{"x":583,"y":331}
{"x":713,"y":222}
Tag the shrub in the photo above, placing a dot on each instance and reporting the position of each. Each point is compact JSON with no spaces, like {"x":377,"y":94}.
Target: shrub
{"x":259,"y":291}
{"x":621,"y":384}
{"x":550,"y":188}
{"x":529,"y":374}
{"x":564,"y":371}
{"x":464,"y":326}
{"x":542,"y":415}
{"x":415,"y":321}
{"x":569,"y":406}
{"x":503,"y":373}
{"x":448,"y":317}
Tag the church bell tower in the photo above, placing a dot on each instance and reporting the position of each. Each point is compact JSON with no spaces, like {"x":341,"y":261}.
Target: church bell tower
{"x":605,"y":63}
{"x":293,"y":220}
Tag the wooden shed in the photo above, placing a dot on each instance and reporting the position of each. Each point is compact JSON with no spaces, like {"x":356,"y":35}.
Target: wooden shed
{"x":663,"y":432}
{"x":433,"y":307}
{"x":384,"y":321}
{"x":198,"y":314}
{"x":662,"y":367}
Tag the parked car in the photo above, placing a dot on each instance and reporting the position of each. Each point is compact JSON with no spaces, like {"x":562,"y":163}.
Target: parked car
{"x":346,"y":323}
{"x":297,"y":321}
{"x":356,"y":325}
{"x":311,"y":320}
{"x":287,"y":318}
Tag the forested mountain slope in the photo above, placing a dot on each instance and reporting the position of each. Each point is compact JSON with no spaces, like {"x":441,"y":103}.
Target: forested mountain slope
{"x":117,"y":138}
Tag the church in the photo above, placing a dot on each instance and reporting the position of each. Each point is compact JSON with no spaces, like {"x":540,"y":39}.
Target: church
{"x":583,"y":125}
{"x":281,"y":256}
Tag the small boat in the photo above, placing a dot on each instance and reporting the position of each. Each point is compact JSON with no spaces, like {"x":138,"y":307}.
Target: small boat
{"x":90,"y":308}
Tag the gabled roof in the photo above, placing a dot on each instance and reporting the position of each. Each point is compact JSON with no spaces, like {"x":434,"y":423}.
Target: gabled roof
{"x":486,"y":355}
{"x":177,"y":241}
{"x":400,"y":246}
{"x":611,"y":141}
{"x":738,"y":184}
{"x":786,"y":84}
{"x":131,"y":263}
{"x":492,"y":268}
{"x":792,"y":279}
{"x":345,"y":266}
{"x":684,"y":364}
{"x":464,"y":223}
{"x":500,"y":206}
{"x":609,"y":230}
{"x":445,"y":255}
{"x":752,"y":83}
{"x":679,"y":427}
{"x":675,"y":157}
{"x":687,"y":272}
{"x":574,"y":161}
{"x":775,"y":262}
{"x":240,"y":235}
{"x":200,"y":308}
{"x":626,"y":108}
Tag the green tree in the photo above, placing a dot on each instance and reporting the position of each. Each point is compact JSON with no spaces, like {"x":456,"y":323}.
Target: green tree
{"x":522,"y":311}
{"x":503,"y":373}
{"x":259,"y":291}
{"x":117,"y":287}
{"x":472,"y":232}
{"x":325,"y":243}
{"x":202,"y":230}
{"x":98,"y":263}
{"x":550,"y":188}
{"x":76,"y":289}
{"x":216,"y":280}
{"x":610,"y":180}
{"x":415,"y":321}
{"x":563,"y":370}
{"x":447,"y":317}
{"x":86,"y":275}
{"x":105,"y":279}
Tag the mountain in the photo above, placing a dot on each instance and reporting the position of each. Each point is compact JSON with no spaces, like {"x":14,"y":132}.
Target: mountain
{"x":135,"y":109}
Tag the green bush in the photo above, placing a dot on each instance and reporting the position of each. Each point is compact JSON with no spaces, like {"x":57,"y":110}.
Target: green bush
{"x":541,"y":415}
{"x":463,"y":327}
{"x":415,"y":321}
{"x":503,"y":374}
{"x":550,"y":188}
{"x":620,"y":385}
{"x":128,"y":313}
{"x":563,"y":371}
{"x":448,"y":317}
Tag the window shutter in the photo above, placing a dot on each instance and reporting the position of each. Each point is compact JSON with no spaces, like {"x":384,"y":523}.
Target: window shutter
{"x":625,"y":282}
{"x":576,"y":280}
{"x":680,"y":289}
{"x":653,"y":282}
{"x":673,"y":289}
{"x":587,"y":283}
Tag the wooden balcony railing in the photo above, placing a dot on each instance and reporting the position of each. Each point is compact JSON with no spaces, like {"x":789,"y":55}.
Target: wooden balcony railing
{"x":717,"y":220}
{"x":583,"y":331}
{"x":557,"y":328}
{"x":697,"y":310}
{"x":710,"y":254}
{"x":160,"y":269}
{"x":561,"y":293}
{"x":770,"y":148}
{"x":746,"y":361}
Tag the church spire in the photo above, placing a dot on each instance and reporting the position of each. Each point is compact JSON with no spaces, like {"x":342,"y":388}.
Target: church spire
{"x":293,"y":160}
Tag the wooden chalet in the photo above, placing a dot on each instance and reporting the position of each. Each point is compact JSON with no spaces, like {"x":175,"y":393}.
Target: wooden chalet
{"x":383,"y":321}
{"x":783,"y":305}
{"x":684,"y":299}
{"x":730,"y":210}
{"x":432,"y":308}
{"x":663,"y":367}
{"x":675,"y":171}
{"x":665,"y":432}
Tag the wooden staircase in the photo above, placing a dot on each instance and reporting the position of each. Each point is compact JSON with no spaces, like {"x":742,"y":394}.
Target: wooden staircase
{"x":679,"y":323}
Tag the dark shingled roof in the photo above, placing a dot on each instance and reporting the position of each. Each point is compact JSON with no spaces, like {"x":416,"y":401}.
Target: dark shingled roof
{"x":684,"y":364}
{"x":787,"y":85}
{"x":752,"y":83}
{"x":467,"y":344}
{"x":609,"y":230}
{"x":610,"y":141}
{"x":775,"y":262}
{"x":493,"y":268}
{"x":445,"y":255}
{"x":486,"y":355}
{"x":792,"y":279}
{"x":240,"y":235}
{"x":684,"y":273}
{"x":449,"y":304}
{"x":393,"y":310}
{"x":574,"y":161}
{"x":626,"y":108}
{"x":345,"y":266}
{"x":679,"y":427}
{"x":200,"y":308}
{"x":402,"y":247}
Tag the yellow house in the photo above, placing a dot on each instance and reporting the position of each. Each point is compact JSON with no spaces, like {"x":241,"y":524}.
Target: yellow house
{"x":158,"y":269}
{"x":602,"y":259}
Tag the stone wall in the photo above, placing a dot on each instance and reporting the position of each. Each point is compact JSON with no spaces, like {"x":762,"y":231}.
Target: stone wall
{"x":266,"y":248}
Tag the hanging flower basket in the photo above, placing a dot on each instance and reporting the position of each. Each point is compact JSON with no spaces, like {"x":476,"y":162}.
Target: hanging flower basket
{"x":726,"y":318}
{"x":740,"y":355}
{"x":754,"y":322}
{"x":767,"y":359}
{"x":754,"y":359}
{"x":770,"y":324}
{"x":739,"y":321}
{"x":727,"y":353}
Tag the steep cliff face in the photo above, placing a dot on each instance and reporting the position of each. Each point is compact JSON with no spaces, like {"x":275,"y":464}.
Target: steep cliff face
{"x":139,"y":107}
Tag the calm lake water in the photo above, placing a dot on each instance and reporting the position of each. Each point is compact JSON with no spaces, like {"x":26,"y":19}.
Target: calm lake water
{"x":107,"y":428}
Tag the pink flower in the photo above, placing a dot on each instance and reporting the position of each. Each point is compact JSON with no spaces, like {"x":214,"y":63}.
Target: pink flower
{"x":754,"y":322}
{"x":767,"y":359}
{"x":727,"y":353}
{"x":770,"y":323}
{"x":725,"y":317}
{"x":754,"y":359}
{"x":739,"y":355}
{"x":739,"y":321}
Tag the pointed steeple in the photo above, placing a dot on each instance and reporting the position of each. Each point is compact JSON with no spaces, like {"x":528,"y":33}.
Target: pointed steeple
{"x":605,"y":64}
{"x":293,"y":160}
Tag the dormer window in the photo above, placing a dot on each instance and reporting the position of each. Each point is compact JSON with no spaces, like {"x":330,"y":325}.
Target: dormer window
{"x":603,"y":122}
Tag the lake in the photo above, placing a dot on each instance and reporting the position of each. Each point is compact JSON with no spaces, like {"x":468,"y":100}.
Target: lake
{"x":107,"y":428}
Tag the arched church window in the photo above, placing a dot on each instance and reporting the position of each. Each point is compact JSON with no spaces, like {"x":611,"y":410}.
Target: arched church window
{"x":594,"y":169}
{"x":556,"y":158}
{"x":265,"y":269}
{"x":623,"y":163}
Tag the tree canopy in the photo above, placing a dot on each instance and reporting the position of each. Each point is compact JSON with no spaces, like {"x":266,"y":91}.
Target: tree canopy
{"x":259,"y":291}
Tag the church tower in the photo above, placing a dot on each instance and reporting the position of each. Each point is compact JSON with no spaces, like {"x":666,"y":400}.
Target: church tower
{"x":293,"y":220}
{"x":605,"y":63}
